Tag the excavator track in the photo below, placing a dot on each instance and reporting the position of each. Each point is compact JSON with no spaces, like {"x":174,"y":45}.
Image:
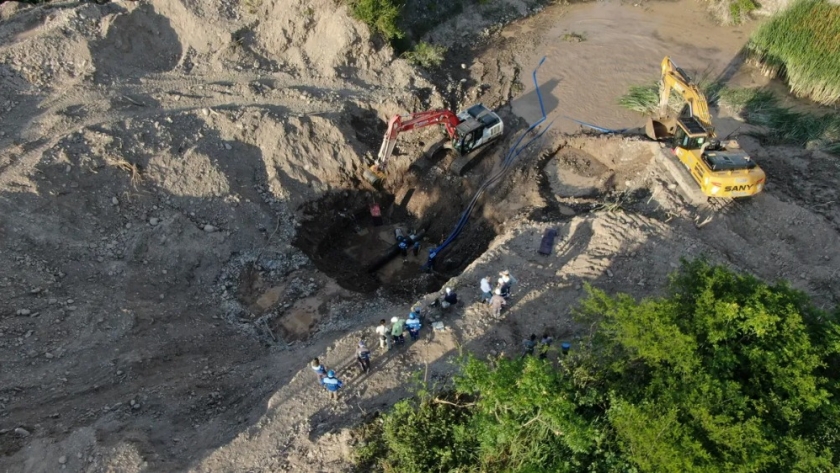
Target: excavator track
{"x":463,"y":164}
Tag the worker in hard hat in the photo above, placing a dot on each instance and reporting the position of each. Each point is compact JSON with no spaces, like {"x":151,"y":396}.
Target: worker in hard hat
{"x":363,"y":356}
{"x":413,"y":325}
{"x":397,"y":329}
{"x":505,"y":283}
{"x":450,"y":298}
{"x":496,"y":303}
{"x":415,"y":247}
{"x":332,"y":384}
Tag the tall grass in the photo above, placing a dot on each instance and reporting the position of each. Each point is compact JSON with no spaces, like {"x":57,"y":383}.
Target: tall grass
{"x":778,"y":125}
{"x":732,"y":12}
{"x":802,"y":43}
{"x":783,"y":125}
{"x":645,"y":98}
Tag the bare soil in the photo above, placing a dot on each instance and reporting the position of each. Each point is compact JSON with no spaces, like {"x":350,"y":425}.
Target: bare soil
{"x":184,"y":222}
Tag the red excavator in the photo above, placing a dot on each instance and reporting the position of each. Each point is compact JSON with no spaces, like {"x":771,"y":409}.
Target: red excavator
{"x":468,"y":130}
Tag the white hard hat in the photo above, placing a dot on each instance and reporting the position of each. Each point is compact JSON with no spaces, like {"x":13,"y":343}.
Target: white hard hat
{"x":499,"y":292}
{"x":394,"y":320}
{"x":448,"y":290}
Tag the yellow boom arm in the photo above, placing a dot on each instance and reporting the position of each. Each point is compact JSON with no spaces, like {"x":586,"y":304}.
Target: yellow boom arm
{"x":675,"y":78}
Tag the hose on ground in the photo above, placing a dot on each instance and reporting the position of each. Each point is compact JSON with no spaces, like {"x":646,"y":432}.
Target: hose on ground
{"x":507,"y":162}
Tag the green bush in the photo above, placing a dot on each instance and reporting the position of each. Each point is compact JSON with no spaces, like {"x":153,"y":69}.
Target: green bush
{"x":726,"y":373}
{"x":426,"y":55}
{"x":739,"y":9}
{"x":381,"y":16}
{"x":802,"y":43}
{"x":420,"y":436}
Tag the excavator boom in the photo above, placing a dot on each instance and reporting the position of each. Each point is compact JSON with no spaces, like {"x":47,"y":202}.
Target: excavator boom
{"x":401,"y":123}
{"x":675,"y":78}
{"x":468,"y":130}
{"x":719,"y":171}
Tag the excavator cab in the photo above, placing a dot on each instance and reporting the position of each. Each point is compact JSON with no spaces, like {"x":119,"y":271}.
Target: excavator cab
{"x":468,"y":134}
{"x":478,"y":125}
{"x":665,"y":127}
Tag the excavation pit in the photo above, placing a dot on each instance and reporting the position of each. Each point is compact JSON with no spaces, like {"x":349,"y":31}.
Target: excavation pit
{"x":346,"y":242}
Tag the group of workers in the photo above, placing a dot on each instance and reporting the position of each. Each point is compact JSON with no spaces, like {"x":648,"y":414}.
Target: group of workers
{"x":498,"y":297}
{"x":404,"y":242}
{"x":393,"y":335}
{"x":530,"y":344}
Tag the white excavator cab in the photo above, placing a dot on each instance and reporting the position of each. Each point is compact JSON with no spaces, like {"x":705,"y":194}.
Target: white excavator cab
{"x":478,"y":125}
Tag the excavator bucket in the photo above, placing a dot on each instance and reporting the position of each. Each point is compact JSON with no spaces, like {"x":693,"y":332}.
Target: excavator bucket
{"x":373,"y":175}
{"x":660,"y":129}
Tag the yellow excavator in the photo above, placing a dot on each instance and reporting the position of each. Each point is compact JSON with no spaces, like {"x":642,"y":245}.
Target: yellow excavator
{"x":721,"y":170}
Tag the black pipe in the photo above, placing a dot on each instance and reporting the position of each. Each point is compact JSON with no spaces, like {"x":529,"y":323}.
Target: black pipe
{"x":393,"y":252}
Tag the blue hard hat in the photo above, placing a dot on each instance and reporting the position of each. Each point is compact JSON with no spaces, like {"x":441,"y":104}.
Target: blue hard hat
{"x":361,"y":343}
{"x":412,"y":315}
{"x":331,"y":373}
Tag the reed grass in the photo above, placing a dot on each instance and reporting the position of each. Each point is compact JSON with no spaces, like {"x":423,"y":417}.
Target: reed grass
{"x":645,"y":98}
{"x":782,"y":125}
{"x":779,"y":125}
{"x":802,"y":45}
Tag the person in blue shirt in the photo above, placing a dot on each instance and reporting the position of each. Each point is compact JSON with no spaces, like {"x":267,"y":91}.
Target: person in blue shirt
{"x":332,"y":384}
{"x":402,"y":241}
{"x":413,"y":325}
{"x":363,"y":356}
{"x":529,"y":344}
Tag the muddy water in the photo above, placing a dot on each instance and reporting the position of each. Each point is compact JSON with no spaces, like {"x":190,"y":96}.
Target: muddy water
{"x":623,"y":46}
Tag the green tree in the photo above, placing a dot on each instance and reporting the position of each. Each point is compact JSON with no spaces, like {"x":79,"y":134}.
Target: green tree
{"x":724,"y":374}
{"x":727,"y":373}
{"x":421,"y":435}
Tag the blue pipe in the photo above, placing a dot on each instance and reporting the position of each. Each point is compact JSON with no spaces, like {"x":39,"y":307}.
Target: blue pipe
{"x":596,"y":127}
{"x":509,"y":159}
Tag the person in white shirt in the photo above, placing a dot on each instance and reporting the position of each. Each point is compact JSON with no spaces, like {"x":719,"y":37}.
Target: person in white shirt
{"x":486,"y":289}
{"x":383,"y":331}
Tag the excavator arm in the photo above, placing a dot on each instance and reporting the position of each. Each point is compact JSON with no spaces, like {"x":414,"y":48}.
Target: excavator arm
{"x":401,"y":123}
{"x":675,"y":78}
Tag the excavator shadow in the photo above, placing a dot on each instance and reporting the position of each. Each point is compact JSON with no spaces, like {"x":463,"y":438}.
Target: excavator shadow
{"x":433,"y":154}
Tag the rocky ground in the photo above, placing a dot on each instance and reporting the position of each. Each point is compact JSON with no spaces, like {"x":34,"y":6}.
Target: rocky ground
{"x":184,"y":223}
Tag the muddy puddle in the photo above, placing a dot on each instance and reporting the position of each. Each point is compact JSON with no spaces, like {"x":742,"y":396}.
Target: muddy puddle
{"x":622,"y":44}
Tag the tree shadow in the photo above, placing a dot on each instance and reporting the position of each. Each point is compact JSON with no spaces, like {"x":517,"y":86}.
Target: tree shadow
{"x":138,"y":43}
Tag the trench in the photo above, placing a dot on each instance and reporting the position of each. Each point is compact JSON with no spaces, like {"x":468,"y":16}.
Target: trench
{"x":344,"y":240}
